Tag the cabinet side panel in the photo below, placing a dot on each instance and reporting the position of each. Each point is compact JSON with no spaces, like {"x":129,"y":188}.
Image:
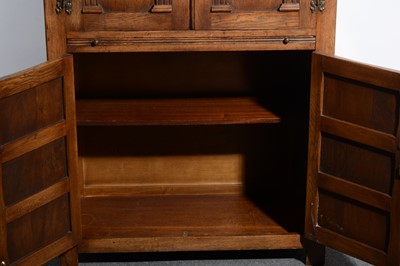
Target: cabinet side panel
{"x":55,"y":31}
{"x":326,"y":28}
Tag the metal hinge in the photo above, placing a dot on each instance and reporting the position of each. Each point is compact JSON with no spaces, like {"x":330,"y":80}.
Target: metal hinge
{"x":64,"y":4}
{"x":317,"y":4}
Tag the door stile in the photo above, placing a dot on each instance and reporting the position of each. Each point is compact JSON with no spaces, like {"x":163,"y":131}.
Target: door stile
{"x":72,"y":146}
{"x":3,"y":236}
{"x":394,"y":247}
{"x":311,"y":218}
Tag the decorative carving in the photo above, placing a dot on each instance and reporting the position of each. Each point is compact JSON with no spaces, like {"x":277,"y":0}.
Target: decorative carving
{"x":92,"y":7}
{"x":289,"y":6}
{"x":162,"y":6}
{"x":221,"y":6}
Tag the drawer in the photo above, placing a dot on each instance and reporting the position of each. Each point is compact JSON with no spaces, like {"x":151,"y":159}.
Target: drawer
{"x":253,"y":14}
{"x":125,"y":15}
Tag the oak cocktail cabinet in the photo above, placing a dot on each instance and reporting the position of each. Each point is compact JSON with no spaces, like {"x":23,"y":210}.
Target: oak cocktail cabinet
{"x":190,"y":125}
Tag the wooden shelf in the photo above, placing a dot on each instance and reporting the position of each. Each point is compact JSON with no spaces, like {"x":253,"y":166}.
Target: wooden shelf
{"x":180,"y":223}
{"x":193,"y":111}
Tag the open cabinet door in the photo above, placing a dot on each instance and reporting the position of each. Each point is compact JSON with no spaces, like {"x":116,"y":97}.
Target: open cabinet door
{"x":353,"y":202}
{"x":39,"y":201}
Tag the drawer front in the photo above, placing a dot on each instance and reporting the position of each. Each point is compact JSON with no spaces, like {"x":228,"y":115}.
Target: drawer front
{"x":252,"y":14}
{"x":125,"y":15}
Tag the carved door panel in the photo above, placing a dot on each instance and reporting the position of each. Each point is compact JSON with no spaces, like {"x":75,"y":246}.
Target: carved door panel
{"x":39,"y":204}
{"x":353,"y":200}
{"x":253,"y":14}
{"x":110,"y":15}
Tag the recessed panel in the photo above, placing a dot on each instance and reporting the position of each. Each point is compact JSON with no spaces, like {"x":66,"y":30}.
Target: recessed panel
{"x":357,"y":163}
{"x":142,"y":15}
{"x":126,"y":6}
{"x":39,"y":228}
{"x":360,"y":103}
{"x":354,"y":220}
{"x":254,"y":5}
{"x":31,"y":110}
{"x":34,"y":171}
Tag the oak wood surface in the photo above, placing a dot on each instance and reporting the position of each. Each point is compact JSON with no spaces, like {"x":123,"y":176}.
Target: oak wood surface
{"x":176,"y":159}
{"x":55,"y":31}
{"x":351,"y":174}
{"x":132,"y":16}
{"x":206,"y":111}
{"x":196,"y":161}
{"x":100,"y":26}
{"x":254,"y":14}
{"x":326,"y":28}
{"x":180,"y":222}
{"x":203,"y":243}
{"x":39,"y":224}
{"x":199,"y":40}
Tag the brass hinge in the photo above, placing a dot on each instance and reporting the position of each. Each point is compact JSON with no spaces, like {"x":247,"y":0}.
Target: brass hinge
{"x":64,"y":4}
{"x":317,"y":4}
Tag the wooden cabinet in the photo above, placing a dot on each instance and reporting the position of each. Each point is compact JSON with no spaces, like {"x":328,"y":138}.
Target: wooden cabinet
{"x":195,"y":129}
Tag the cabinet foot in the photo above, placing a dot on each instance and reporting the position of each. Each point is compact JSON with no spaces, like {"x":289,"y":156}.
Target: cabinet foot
{"x":315,"y":253}
{"x":69,"y":258}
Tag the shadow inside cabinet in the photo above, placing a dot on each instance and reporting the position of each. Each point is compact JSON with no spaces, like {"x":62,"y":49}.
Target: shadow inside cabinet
{"x":196,"y":151}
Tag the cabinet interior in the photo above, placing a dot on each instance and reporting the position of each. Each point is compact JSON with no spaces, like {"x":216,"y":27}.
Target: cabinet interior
{"x":227,"y":162}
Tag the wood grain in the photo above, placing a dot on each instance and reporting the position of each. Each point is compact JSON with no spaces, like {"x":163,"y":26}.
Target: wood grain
{"x":199,"y":40}
{"x":160,"y":223}
{"x":354,"y":128}
{"x":39,"y":226}
{"x":173,"y":112}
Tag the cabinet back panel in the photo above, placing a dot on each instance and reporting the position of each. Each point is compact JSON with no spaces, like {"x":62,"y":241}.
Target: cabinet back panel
{"x":251,"y":156}
{"x":34,"y":171}
{"x":38,"y":228}
{"x":189,"y":74}
{"x":22,"y":115}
